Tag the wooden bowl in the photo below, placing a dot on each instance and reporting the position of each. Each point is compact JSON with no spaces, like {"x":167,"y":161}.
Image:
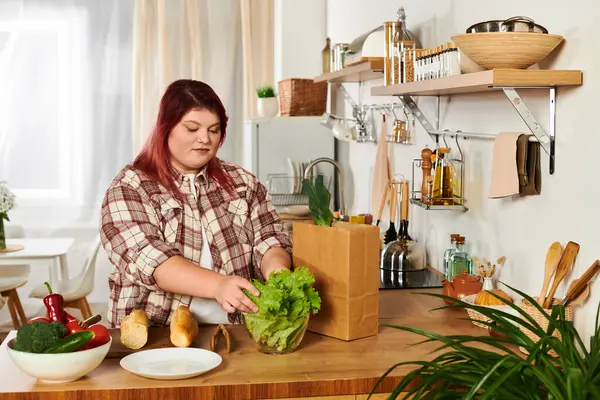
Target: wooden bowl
{"x":517,"y":50}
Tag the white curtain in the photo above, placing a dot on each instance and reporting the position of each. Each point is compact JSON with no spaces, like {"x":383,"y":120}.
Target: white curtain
{"x":197,"y":39}
{"x":258,"y":49}
{"x":65,"y":106}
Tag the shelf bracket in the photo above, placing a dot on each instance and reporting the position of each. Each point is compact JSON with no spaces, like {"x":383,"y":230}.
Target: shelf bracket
{"x":409,"y":103}
{"x":546,"y":140}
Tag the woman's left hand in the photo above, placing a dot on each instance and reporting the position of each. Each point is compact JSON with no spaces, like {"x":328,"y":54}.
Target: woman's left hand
{"x":273,"y":268}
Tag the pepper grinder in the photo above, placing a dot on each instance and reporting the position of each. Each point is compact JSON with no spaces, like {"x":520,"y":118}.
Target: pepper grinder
{"x":426,"y":165}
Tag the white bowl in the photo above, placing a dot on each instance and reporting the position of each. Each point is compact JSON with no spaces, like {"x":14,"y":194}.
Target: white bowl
{"x":59,"y":368}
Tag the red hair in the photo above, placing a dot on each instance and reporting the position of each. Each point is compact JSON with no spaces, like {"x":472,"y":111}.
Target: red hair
{"x":181,"y":97}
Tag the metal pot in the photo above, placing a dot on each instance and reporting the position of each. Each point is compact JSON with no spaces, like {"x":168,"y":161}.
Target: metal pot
{"x":514,"y":24}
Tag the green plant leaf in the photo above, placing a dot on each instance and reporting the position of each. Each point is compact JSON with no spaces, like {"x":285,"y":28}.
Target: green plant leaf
{"x":318,"y":200}
{"x":265,"y":91}
{"x":465,"y":370}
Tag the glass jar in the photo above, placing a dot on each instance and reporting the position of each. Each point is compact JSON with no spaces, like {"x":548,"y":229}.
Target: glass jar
{"x":269,"y":341}
{"x":393,"y":35}
{"x":448,"y":253}
{"x":460,"y":260}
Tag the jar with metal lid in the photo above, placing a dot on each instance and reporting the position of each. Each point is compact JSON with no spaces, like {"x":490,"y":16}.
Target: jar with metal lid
{"x":392,"y":35}
{"x":338,"y":54}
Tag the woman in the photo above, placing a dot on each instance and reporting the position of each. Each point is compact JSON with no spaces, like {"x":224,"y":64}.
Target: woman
{"x":182,"y":227}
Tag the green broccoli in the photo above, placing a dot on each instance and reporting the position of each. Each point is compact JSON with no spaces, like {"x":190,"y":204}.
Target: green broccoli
{"x":37,"y":336}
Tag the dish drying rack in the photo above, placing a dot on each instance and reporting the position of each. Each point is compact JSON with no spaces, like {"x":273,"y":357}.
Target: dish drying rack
{"x":286,"y":190}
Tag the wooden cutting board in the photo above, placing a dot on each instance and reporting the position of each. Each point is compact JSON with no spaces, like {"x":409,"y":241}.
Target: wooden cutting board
{"x":158,"y":338}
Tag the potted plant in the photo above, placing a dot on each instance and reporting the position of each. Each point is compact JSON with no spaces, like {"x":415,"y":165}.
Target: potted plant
{"x":467,"y":371}
{"x":267,"y":105}
{"x":7,"y":202}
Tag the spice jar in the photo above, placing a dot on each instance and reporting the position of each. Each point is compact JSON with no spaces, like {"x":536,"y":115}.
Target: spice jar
{"x":393,"y":35}
{"x":408,"y":64}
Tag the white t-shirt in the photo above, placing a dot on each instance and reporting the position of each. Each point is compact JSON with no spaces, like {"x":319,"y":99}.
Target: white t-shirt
{"x":206,"y":311}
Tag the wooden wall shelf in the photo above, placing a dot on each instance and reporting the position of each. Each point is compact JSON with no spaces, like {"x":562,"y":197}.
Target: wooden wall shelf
{"x":506,"y":80}
{"x":356,"y":73}
{"x":483,"y":81}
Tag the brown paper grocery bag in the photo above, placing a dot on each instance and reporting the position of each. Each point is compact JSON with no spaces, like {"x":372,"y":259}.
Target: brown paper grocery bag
{"x":344,"y":259}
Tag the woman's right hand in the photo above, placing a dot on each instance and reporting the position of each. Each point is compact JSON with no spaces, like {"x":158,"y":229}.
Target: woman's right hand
{"x":230,"y":296}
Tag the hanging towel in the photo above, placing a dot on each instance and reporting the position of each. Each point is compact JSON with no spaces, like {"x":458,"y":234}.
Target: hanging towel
{"x":381,"y":172}
{"x":528,"y":166}
{"x":505,"y":178}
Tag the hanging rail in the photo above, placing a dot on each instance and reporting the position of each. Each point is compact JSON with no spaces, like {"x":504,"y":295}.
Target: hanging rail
{"x":471,"y":135}
{"x":546,"y":139}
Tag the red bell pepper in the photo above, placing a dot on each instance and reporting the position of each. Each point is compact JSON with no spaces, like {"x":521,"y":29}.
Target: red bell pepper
{"x":54,"y":303}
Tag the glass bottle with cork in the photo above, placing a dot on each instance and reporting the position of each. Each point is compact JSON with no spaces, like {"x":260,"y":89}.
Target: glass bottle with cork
{"x":451,"y":250}
{"x":326,"y":57}
{"x":460,"y":260}
{"x":442,"y":182}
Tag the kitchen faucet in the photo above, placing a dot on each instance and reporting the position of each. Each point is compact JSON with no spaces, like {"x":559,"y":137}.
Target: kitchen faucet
{"x":340,"y":171}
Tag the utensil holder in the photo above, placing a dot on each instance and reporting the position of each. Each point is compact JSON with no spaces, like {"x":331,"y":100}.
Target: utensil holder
{"x":542,"y":320}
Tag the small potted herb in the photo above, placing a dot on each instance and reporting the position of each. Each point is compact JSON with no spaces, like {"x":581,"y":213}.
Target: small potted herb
{"x":267,"y":105}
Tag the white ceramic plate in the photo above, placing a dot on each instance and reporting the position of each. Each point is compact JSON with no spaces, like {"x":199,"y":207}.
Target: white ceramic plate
{"x":171,"y":363}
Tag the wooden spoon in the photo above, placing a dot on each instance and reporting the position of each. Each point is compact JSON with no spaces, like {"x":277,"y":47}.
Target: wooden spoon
{"x":564,"y":265}
{"x":552,"y":259}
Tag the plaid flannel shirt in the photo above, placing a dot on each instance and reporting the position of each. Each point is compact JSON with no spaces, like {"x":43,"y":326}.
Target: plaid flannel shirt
{"x":143,"y":225}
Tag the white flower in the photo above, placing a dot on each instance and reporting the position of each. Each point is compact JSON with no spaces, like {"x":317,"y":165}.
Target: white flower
{"x":7,"y":199}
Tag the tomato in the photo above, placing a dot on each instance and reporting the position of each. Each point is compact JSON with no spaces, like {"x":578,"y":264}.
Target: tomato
{"x":73,"y":327}
{"x":40,"y":319}
{"x":101,"y":336}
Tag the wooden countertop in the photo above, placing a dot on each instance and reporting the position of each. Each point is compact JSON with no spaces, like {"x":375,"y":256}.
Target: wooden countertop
{"x":322,"y":366}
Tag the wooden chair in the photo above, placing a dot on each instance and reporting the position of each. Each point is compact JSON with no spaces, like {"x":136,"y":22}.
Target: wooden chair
{"x":75,"y":290}
{"x":11,"y":278}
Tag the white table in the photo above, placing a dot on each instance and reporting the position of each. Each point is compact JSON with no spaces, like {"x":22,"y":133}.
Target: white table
{"x":53,"y":250}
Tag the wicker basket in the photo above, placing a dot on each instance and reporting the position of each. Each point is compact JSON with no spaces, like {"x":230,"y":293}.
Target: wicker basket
{"x":302,"y":97}
{"x":477,"y":316}
{"x":542,"y":320}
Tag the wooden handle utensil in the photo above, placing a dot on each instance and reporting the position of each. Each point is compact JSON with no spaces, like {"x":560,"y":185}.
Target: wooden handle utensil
{"x":405,"y":201}
{"x":393,"y":202}
{"x":552,"y":259}
{"x":579,"y":286}
{"x":382,"y":202}
{"x":579,"y":298}
{"x":391,"y":234}
{"x":564,"y":265}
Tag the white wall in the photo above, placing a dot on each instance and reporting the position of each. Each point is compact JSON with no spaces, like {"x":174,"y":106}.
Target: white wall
{"x":299,"y":38}
{"x":520,"y":229}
